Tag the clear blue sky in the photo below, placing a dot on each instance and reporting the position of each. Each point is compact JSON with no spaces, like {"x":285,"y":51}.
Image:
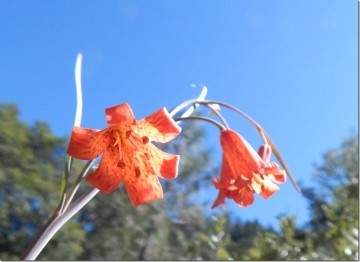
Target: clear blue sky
{"x":291,"y":65}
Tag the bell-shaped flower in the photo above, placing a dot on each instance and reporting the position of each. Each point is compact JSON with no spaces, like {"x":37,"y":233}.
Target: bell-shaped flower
{"x":245,"y":172}
{"x":127,"y":152}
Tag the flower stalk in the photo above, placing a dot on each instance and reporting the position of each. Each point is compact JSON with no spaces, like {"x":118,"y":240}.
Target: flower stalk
{"x":54,"y":224}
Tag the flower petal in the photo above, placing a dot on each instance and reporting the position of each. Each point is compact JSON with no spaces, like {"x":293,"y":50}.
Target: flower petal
{"x":263,"y":186}
{"x":142,"y":188}
{"x":227,"y":174}
{"x":268,"y":189}
{"x":245,"y":197}
{"x":120,"y":114}
{"x":237,"y":151}
{"x":159,"y":127}
{"x":108,"y":175}
{"x":86,"y":143}
{"x":279,"y":178}
{"x":220,"y":200}
{"x":273,"y":171}
{"x":163,"y":164}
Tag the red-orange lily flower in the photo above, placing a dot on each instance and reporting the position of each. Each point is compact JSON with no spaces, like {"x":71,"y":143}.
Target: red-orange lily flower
{"x":127,"y":152}
{"x":245,"y":172}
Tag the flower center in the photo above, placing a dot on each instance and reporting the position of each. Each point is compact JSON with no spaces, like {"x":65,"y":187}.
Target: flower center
{"x":123,"y":137}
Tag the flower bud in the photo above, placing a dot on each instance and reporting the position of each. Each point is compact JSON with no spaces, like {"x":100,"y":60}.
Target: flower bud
{"x":265,"y":152}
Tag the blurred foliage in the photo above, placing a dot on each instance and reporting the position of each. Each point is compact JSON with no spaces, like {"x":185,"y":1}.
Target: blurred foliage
{"x":332,"y":232}
{"x":176,"y":227}
{"x":31,"y":162}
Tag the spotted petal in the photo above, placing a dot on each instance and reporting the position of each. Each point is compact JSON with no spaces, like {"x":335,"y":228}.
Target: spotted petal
{"x":162,"y":164}
{"x":159,"y":127}
{"x":108,"y":175}
{"x":86,"y":143}
{"x":143,"y":188}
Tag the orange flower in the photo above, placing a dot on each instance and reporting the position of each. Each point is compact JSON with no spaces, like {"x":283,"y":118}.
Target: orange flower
{"x":245,"y":172}
{"x":127,"y":152}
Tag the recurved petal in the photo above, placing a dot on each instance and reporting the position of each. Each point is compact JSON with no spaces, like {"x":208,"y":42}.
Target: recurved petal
{"x":164,"y":164}
{"x":108,"y":175}
{"x":86,"y":143}
{"x":269,"y":189}
{"x":242,"y":158}
{"x":159,"y":127}
{"x":279,"y":177}
{"x":220,"y":200}
{"x":275,"y":173}
{"x":245,"y":197}
{"x":120,"y":114}
{"x":142,"y":187}
{"x":263,"y":186}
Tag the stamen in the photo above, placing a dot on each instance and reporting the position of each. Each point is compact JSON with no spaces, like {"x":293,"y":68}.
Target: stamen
{"x":120,"y":152}
{"x":127,"y":134}
{"x":145,"y":159}
{"x":135,"y":142}
{"x":116,"y":135}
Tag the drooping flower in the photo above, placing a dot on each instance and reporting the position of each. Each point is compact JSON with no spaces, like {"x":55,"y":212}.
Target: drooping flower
{"x":245,"y":172}
{"x":127,"y":152}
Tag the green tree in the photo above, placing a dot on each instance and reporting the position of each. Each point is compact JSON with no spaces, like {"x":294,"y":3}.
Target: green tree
{"x":174,"y":228}
{"x":31,"y":162}
{"x":335,"y":203}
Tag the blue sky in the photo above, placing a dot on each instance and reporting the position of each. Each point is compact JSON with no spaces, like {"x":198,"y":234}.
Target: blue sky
{"x":291,"y":65}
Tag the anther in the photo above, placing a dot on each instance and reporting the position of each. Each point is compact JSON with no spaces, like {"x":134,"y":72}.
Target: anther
{"x":121,"y":164}
{"x":145,"y":140}
{"x":137,"y":172}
